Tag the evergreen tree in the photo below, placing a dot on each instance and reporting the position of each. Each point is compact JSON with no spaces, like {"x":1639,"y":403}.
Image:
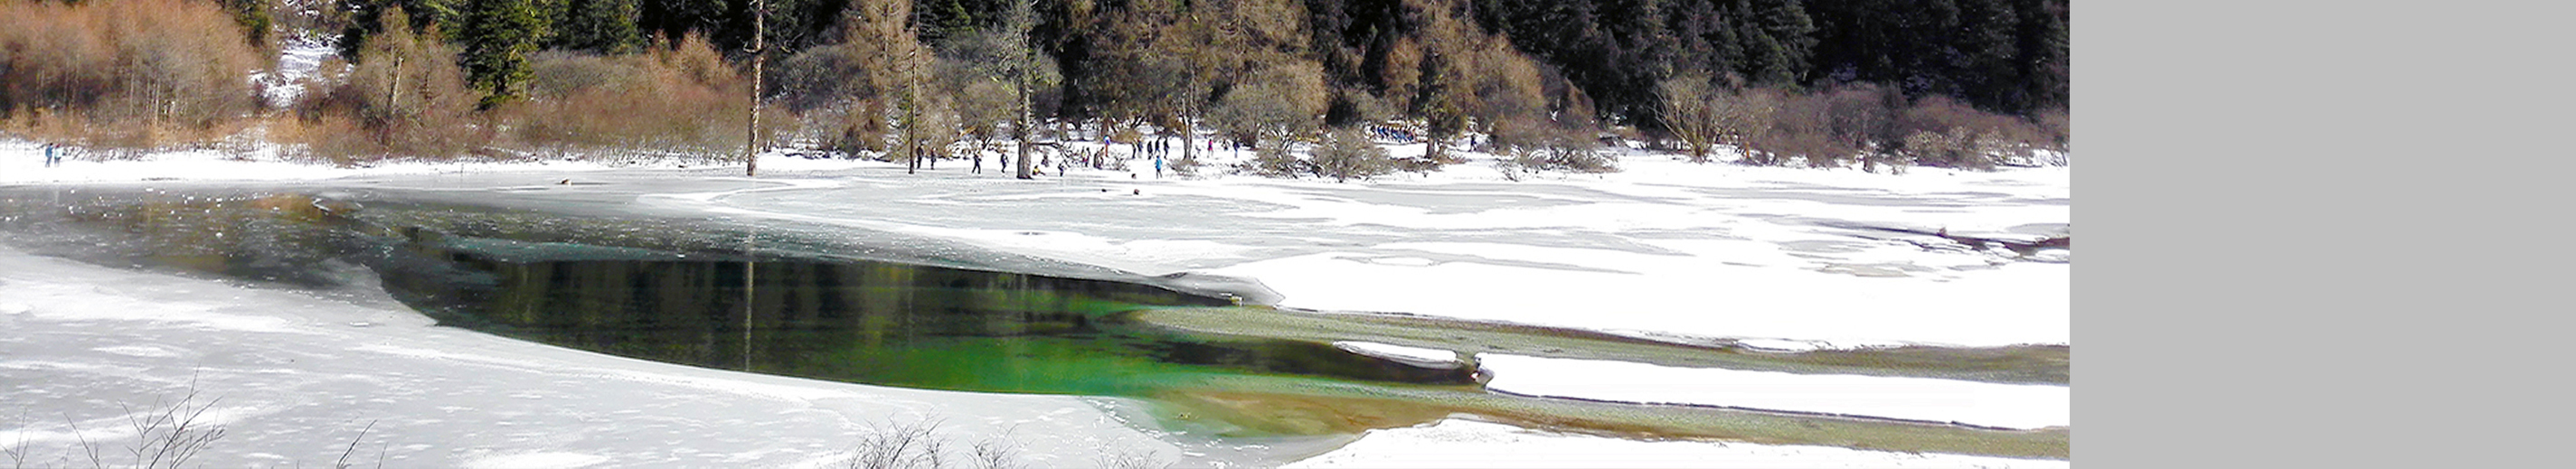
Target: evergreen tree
{"x":2041,"y":39}
{"x":600,"y":26}
{"x":1983,"y":52}
{"x":1780,"y":40}
{"x":253,"y":17}
{"x":499,"y":36}
{"x":366,"y":18}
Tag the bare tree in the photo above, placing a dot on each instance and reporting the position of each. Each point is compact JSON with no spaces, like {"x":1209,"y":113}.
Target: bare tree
{"x":759,"y":58}
{"x":1689,"y":115}
{"x":1024,"y":68}
{"x":1745,"y":120}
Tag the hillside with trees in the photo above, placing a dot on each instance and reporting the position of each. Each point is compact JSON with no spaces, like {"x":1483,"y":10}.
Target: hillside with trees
{"x":1828,"y":83}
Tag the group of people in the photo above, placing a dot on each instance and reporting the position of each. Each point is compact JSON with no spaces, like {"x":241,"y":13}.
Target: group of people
{"x":53,"y":154}
{"x":1387,"y":133}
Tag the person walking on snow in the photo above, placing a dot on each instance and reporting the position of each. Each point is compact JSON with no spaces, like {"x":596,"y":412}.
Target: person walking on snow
{"x":53,"y":154}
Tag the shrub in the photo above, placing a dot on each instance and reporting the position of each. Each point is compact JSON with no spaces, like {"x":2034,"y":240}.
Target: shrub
{"x":1532,"y":145}
{"x":1690,"y":114}
{"x":1853,"y":122}
{"x":405,"y":97}
{"x":1970,"y":139}
{"x":1348,"y":153}
{"x":1272,"y":159}
{"x":2060,"y":130}
{"x":679,"y":101}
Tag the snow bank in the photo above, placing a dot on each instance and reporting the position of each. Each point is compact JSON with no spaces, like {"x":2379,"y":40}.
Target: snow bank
{"x":1417,"y":355}
{"x":1936,"y":400}
{"x":299,"y":375}
{"x":1455,"y":442}
{"x":1683,"y":250}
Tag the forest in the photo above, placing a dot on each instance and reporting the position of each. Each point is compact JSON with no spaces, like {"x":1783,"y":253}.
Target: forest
{"x":1307,"y":84}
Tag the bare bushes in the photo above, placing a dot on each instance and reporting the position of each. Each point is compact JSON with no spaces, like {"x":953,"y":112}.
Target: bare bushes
{"x":1348,"y":153}
{"x":920,"y":445}
{"x":681,"y":101}
{"x":1342,"y":155}
{"x":1863,"y":124}
{"x":1532,"y":145}
{"x":405,"y":97}
{"x":166,"y":434}
{"x":1279,"y":102}
{"x":1833,"y":127}
{"x":1275,"y":159}
{"x":1939,"y":132}
{"x":1690,"y":114}
{"x":124,"y":73}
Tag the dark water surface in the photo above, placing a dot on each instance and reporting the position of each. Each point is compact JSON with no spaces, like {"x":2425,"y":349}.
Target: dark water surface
{"x":677,"y":291}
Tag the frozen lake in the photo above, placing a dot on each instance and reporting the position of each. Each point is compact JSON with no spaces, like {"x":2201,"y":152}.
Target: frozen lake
{"x":1725,"y":258}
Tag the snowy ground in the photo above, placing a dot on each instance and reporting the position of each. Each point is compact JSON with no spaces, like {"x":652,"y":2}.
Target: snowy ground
{"x":299,"y":376}
{"x":1780,"y":257}
{"x":1665,"y":248}
{"x":1936,"y":400}
{"x":1463,"y":442}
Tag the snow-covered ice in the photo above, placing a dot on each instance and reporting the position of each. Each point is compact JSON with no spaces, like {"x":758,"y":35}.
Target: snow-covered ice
{"x":1458,"y":442}
{"x":1417,"y":355}
{"x":297,"y":383}
{"x":1666,"y":247}
{"x":1935,"y":400}
{"x":1779,"y":258}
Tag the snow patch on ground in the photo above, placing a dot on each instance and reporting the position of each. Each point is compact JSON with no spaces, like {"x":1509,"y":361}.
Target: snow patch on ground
{"x":296,"y":62}
{"x":1416,"y":355}
{"x":1936,"y":400}
{"x":1457,"y":442}
{"x":301,"y":384}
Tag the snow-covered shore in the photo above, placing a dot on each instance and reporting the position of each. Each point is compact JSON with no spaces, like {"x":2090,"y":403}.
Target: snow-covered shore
{"x":1923,"y":399}
{"x":293,"y":379}
{"x":1461,"y":442}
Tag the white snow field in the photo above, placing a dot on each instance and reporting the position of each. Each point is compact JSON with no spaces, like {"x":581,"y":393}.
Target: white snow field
{"x":293,"y":379}
{"x":1935,"y":400}
{"x":1780,"y":258}
{"x":1461,"y":442}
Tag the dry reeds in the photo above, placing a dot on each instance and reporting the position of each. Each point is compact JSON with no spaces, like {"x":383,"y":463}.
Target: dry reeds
{"x":124,"y":74}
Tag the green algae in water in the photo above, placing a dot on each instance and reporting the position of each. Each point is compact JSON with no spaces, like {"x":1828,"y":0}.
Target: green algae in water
{"x":863,"y":321}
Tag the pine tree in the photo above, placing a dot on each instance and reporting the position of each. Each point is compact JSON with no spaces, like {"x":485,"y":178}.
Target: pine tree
{"x":499,"y":36}
{"x":366,"y":18}
{"x":1779,"y":41}
{"x":253,"y":17}
{"x":601,"y":26}
{"x":1983,"y":52}
{"x":2042,"y":41}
